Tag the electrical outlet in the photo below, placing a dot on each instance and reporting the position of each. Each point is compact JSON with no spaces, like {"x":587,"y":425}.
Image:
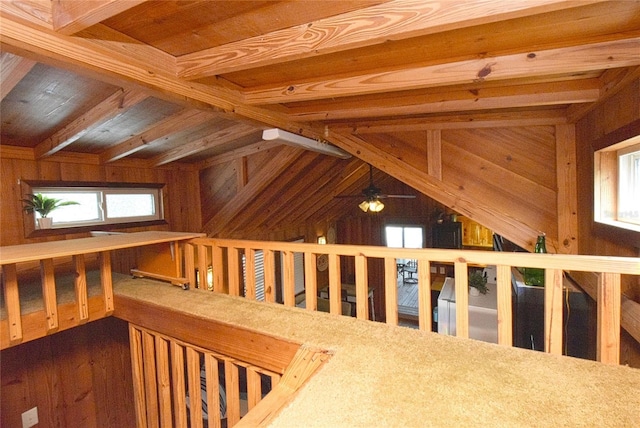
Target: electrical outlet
{"x":30,"y":418}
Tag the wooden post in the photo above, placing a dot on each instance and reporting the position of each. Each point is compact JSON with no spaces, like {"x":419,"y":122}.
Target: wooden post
{"x":150,"y":380}
{"x":231,"y":379}
{"x":335,"y":286}
{"x":190,"y":265}
{"x":81,"y":288}
{"x":49,"y":294}
{"x":178,"y":385}
{"x":462,"y":298}
{"x":107,"y":283}
{"x":250,"y":273}
{"x":213,"y":390}
{"x":503,"y":297}
{"x":12,"y":299}
{"x":424,"y":295}
{"x":195,"y":390}
{"x":362,"y":287}
{"x":218,"y":269}
{"x":553,"y":311}
{"x":311,"y":281}
{"x":269,"y":276}
{"x":164,"y":381}
{"x":391,"y":290}
{"x":608,"y":343}
{"x":289,"y":279}
{"x":234,"y":271}
{"x":135,"y":343}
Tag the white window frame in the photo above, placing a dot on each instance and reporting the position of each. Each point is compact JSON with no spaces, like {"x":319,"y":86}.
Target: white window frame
{"x":101,"y":190}
{"x":610,"y":200}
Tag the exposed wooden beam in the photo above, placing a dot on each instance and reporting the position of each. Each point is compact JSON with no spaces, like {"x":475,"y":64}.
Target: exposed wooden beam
{"x":394,"y":20}
{"x":114,"y":105}
{"x":37,"y":12}
{"x":279,"y":163}
{"x":171,"y":125}
{"x":13,"y":69}
{"x":566,"y":60}
{"x":434,"y":153}
{"x":110,"y":63}
{"x":455,"y":121}
{"x":238,"y":153}
{"x":567,"y":189}
{"x":71,"y":16}
{"x":520,"y":96}
{"x":442,"y":191}
{"x":215,"y":139}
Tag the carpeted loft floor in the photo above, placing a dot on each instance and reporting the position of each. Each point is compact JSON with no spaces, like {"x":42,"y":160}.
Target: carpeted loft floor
{"x":384,"y":376}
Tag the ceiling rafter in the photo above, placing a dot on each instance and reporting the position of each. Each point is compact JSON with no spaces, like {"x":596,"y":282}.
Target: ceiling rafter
{"x":215,"y":139}
{"x":567,"y":60}
{"x":263,"y":178}
{"x":238,"y":153}
{"x":116,"y":104}
{"x":13,"y":69}
{"x":539,"y":94}
{"x":72,"y":16}
{"x":155,"y":132}
{"x":394,"y":20}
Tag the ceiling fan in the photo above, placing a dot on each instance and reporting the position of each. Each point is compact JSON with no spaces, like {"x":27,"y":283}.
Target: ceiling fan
{"x":372,"y":196}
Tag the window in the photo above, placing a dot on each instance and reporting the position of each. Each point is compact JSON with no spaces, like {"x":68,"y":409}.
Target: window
{"x":404,"y":236}
{"x":617,"y":185}
{"x":100,"y":205}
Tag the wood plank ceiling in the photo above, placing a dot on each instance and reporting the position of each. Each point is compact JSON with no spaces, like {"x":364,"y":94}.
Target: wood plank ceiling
{"x":193,"y":84}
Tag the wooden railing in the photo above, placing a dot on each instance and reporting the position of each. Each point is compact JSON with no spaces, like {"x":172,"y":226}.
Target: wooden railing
{"x":222,"y":261}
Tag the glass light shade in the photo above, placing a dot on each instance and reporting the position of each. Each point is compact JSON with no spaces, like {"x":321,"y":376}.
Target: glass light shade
{"x":364,"y":206}
{"x":373,"y":205}
{"x":322,"y":240}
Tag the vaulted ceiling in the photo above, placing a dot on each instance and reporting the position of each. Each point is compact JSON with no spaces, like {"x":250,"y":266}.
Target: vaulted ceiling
{"x":193,"y":84}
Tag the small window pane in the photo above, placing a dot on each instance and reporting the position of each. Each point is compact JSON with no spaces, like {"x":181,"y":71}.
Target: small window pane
{"x":394,"y":236}
{"x":136,"y":205}
{"x":87,"y":210}
{"x":413,"y":237}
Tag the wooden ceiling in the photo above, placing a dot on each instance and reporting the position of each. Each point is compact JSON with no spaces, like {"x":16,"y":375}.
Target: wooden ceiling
{"x":193,"y":83}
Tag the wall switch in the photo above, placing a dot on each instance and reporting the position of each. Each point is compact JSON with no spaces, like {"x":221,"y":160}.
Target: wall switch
{"x":30,"y":418}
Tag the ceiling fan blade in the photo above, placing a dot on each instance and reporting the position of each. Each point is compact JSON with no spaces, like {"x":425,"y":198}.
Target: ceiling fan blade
{"x":397,"y":196}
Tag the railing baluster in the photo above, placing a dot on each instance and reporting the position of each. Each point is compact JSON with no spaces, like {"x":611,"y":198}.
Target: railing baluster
{"x":391,"y":290}
{"x":164,"y":381}
{"x":203,"y":268}
{"x":608,"y":343}
{"x":150,"y":381}
{"x":424,"y":295}
{"x":289,"y":279}
{"x":178,"y":384}
{"x":250,"y":273}
{"x":107,"y":283}
{"x":335,"y":286}
{"x":254,"y":387}
{"x":12,"y":305}
{"x":362,"y":287}
{"x":213,"y":389}
{"x":503,"y":297}
{"x":233,"y":392}
{"x":135,"y":343}
{"x":234,"y":271}
{"x":462,"y":298}
{"x":553,"y":311}
{"x":190,"y":265}
{"x":49,"y":294}
{"x":310,"y":281}
{"x":219,"y":285}
{"x":269,"y":276}
{"x":80,"y":283}
{"x":195,"y":389}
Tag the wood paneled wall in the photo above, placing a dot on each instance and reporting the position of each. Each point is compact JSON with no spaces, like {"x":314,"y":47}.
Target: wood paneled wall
{"x":181,"y":192}
{"x":620,"y":110}
{"x":76,"y":378}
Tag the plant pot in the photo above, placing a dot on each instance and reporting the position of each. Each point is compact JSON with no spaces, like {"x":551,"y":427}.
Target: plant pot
{"x":474,"y":291}
{"x":45,"y":223}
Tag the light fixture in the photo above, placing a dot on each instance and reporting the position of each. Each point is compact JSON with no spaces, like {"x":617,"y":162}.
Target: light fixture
{"x":307,"y":143}
{"x":374,"y":205}
{"x":322,"y":240}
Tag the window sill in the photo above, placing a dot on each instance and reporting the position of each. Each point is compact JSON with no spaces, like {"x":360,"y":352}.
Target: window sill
{"x":40,"y":233}
{"x":612,"y":232}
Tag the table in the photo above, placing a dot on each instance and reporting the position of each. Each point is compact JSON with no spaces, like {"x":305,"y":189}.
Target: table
{"x":349,"y":295}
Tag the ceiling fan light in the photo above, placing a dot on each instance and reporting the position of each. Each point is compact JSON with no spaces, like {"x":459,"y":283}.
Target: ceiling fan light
{"x":364,"y":206}
{"x":376,"y":206}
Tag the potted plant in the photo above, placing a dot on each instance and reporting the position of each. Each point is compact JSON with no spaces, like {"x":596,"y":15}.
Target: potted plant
{"x":477,"y":283}
{"x":44,"y":205}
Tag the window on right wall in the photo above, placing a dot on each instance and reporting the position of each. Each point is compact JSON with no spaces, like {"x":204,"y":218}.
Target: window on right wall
{"x":617,"y":185}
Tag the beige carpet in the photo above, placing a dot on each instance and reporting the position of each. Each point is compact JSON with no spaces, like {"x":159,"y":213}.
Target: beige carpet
{"x":384,"y":376}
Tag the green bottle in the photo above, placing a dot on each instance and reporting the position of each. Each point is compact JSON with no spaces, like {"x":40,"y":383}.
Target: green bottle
{"x":535,"y":276}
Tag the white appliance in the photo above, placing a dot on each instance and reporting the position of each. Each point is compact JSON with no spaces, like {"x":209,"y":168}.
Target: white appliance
{"x":483,"y":313}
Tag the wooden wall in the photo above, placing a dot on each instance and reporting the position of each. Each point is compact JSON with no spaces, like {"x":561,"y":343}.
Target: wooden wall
{"x":181,"y":192}
{"x":619,"y":111}
{"x":76,"y":378}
